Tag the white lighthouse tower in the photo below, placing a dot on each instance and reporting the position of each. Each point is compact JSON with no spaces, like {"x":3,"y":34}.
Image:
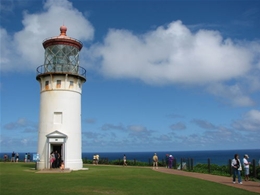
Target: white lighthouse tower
{"x":61,"y":79}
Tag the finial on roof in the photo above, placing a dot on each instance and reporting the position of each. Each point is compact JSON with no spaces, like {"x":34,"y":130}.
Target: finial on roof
{"x":63,"y":30}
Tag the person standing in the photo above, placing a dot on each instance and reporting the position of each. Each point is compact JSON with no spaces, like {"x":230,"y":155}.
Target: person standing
{"x":29,"y":157}
{"x":170,"y":161}
{"x":97,"y":159}
{"x":155,"y":161}
{"x":51,"y":159}
{"x":94,"y":159}
{"x":5,"y":158}
{"x":17,"y":157}
{"x":124,"y":159}
{"x":25,"y":157}
{"x":56,"y":159}
{"x":13,"y":157}
{"x":246,"y":166}
{"x":236,"y":166}
{"x":62,"y":166}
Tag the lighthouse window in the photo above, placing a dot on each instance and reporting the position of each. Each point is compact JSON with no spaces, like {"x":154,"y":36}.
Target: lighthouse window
{"x":71,"y":84}
{"x":58,"y":84}
{"x":46,"y":85}
{"x":57,"y":117}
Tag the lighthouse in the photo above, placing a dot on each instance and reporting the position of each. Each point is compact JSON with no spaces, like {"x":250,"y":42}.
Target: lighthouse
{"x":61,"y":79}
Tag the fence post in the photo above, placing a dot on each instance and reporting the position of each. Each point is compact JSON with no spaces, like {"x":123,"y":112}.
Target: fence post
{"x":191,"y":163}
{"x":229,"y":167}
{"x":188,"y":163}
{"x":254,"y":169}
{"x":175,"y":163}
{"x":209,"y":165}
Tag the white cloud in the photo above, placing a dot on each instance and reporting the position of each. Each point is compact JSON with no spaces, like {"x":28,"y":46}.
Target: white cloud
{"x":178,"y":126}
{"x":204,"y":124}
{"x":24,"y":50}
{"x":235,"y":94}
{"x":172,"y":54}
{"x":249,"y":122}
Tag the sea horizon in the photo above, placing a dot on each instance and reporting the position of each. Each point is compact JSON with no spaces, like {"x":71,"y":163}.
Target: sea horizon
{"x":219,"y":157}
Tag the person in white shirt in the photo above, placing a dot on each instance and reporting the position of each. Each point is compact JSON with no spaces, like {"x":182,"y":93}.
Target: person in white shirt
{"x":155,"y":161}
{"x":246,"y":166}
{"x":236,"y":166}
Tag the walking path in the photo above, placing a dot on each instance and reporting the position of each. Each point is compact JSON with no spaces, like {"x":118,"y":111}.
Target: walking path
{"x":247,"y":185}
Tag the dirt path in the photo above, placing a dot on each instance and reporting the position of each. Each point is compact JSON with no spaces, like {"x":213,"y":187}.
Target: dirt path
{"x":247,"y":185}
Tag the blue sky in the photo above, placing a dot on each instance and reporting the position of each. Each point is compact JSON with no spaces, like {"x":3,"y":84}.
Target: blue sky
{"x":161,"y":75}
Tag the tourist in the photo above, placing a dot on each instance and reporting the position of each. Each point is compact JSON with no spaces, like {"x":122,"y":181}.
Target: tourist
{"x":28,"y":157}
{"x":94,"y":159}
{"x":5,"y":157}
{"x":16,"y":157}
{"x":246,"y":166}
{"x":58,"y":162}
{"x":62,"y":166}
{"x":97,"y":159}
{"x":56,"y":159}
{"x":124,"y":159}
{"x":25,"y":157}
{"x":236,"y":166}
{"x":170,"y":161}
{"x":52,"y":159}
{"x":155,"y":161}
{"x":13,"y":157}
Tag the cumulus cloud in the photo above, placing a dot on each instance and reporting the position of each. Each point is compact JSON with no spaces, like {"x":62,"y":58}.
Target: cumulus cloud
{"x":24,"y":51}
{"x":178,"y":126}
{"x":204,"y":124}
{"x":106,"y":127}
{"x":172,"y":54}
{"x":140,"y":133}
{"x":236,"y":94}
{"x":249,"y":122}
{"x":20,"y":123}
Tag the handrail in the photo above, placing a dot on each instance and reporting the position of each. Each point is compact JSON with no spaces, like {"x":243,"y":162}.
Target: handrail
{"x":66,"y":69}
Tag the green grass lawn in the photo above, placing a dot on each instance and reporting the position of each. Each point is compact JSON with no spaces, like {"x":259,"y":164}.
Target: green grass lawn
{"x":20,"y":178}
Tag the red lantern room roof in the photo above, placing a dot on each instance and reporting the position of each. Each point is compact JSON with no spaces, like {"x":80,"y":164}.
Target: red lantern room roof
{"x":62,"y":39}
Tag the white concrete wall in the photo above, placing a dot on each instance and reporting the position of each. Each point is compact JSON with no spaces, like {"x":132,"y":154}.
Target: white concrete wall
{"x":68,"y":102}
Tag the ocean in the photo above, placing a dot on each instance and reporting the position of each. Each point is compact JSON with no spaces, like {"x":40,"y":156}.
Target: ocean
{"x":218,"y":157}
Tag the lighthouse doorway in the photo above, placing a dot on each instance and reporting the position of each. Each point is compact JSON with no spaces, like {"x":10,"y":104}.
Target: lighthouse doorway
{"x":57,"y":149}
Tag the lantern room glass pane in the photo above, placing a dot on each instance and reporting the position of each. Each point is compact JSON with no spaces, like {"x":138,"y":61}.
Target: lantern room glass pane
{"x":61,"y":58}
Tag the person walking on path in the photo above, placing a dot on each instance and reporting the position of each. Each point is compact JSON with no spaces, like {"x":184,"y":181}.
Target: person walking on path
{"x":124,"y":159}
{"x":236,"y":166}
{"x":170,"y":161}
{"x":246,"y":166}
{"x":155,"y":161}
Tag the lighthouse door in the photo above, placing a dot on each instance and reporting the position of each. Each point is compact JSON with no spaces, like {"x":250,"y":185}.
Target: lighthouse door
{"x":56,"y":142}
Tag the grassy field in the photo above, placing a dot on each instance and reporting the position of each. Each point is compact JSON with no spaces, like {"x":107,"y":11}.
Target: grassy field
{"x":21,"y":178}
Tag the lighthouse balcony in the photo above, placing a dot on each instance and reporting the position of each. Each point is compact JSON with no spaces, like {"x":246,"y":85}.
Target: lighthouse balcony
{"x":61,"y":69}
